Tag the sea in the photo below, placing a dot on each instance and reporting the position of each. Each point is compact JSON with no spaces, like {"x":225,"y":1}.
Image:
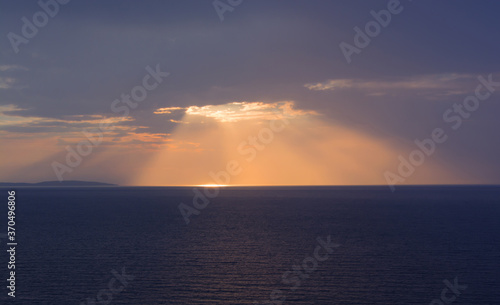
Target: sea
{"x":253,"y":245}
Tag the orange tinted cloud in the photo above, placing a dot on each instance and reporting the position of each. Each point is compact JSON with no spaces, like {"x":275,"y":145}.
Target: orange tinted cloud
{"x":239,"y":111}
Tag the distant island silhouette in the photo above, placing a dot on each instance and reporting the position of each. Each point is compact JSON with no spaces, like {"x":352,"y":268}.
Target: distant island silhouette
{"x":58,"y":183}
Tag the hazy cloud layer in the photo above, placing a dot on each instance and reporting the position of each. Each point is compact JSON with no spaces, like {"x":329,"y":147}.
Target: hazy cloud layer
{"x":66,"y":78}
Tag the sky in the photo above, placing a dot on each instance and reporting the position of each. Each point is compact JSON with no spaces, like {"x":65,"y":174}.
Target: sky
{"x":240,"y":92}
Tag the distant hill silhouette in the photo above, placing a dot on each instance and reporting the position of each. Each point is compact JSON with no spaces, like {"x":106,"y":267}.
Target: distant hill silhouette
{"x":58,"y":183}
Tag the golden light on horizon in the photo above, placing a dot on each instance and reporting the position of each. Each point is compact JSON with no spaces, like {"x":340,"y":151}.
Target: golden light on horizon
{"x":234,"y":144}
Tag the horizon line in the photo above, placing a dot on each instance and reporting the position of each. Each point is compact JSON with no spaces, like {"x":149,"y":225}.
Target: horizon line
{"x":247,"y":185}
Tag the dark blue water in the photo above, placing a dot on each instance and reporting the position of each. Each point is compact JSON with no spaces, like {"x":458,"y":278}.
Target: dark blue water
{"x":393,"y":248}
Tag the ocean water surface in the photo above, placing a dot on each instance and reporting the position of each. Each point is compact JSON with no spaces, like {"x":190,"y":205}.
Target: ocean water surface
{"x":131,"y":245}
